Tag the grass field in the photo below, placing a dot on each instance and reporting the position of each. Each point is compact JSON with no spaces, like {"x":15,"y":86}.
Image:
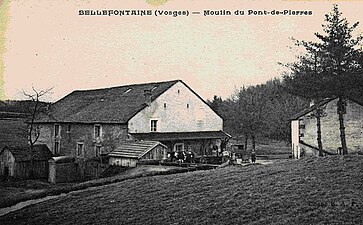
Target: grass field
{"x":13,"y":192}
{"x":308,"y":191}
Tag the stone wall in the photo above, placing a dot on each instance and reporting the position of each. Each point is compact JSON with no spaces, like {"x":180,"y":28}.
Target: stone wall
{"x":330,"y":127}
{"x":71,"y":134}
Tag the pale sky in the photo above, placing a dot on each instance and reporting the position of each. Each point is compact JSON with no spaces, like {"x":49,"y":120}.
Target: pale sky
{"x":47,"y":44}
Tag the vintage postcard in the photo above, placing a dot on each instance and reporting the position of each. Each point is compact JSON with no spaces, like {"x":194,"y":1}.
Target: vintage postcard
{"x":181,"y":112}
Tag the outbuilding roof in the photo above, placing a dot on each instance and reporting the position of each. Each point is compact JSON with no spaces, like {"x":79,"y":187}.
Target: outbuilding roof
{"x":24,"y":153}
{"x":107,"y":105}
{"x":135,"y":149}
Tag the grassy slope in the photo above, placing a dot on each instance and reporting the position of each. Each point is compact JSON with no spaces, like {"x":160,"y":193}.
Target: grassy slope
{"x":13,"y":192}
{"x":300,"y":192}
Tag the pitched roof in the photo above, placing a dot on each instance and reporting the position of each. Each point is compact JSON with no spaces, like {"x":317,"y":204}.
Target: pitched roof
{"x":135,"y":149}
{"x":24,"y":153}
{"x":167,"y":136}
{"x":321,"y":103}
{"x":108,"y":105}
{"x":311,"y":108}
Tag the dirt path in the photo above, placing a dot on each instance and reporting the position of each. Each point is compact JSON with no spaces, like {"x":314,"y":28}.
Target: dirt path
{"x":20,"y":205}
{"x":129,"y":173}
{"x":143,"y":170}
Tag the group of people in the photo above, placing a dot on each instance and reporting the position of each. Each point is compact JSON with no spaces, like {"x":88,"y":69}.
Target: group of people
{"x":181,"y":156}
{"x":189,"y":157}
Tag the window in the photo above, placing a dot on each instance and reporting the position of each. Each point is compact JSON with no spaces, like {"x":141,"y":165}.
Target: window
{"x":97,"y":131}
{"x":98,"y":150}
{"x":69,"y":128}
{"x":153,"y":125}
{"x":187,"y":105}
{"x":200,"y":115}
{"x":178,"y":147}
{"x":164,"y":105}
{"x":56,"y":148}
{"x":80,"y":150}
{"x":178,"y":91}
{"x":56,"y":130}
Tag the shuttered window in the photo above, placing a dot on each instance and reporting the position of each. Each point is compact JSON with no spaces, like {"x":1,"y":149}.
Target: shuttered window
{"x":153,"y":125}
{"x":80,"y":149}
{"x":56,"y":130}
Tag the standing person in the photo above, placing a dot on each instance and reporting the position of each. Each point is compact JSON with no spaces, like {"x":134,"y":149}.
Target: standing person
{"x":339,"y":150}
{"x":253,"y":156}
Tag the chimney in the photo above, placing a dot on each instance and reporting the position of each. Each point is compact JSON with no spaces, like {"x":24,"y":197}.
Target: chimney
{"x":147,"y":95}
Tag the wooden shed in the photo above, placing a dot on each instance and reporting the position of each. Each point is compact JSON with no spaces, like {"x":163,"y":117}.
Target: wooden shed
{"x":130,"y":153}
{"x":16,"y":161}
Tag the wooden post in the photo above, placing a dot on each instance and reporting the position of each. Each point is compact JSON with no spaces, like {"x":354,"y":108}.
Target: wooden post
{"x":341,"y":111}
{"x":320,"y":144}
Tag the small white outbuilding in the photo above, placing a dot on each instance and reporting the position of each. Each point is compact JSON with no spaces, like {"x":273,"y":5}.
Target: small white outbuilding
{"x":129,"y":154}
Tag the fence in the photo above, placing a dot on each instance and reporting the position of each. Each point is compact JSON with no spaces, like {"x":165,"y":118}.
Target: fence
{"x":71,"y":169}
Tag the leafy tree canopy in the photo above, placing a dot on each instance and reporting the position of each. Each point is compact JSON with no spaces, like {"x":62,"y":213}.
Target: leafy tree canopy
{"x":333,"y":66}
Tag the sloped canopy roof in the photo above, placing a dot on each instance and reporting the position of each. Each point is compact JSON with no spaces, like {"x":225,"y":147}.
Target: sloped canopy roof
{"x":24,"y":153}
{"x":135,"y":149}
{"x":173,"y":136}
{"x":108,"y":105}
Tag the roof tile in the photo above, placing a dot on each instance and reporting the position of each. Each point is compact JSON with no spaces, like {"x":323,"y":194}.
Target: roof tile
{"x":24,"y":153}
{"x":108,"y":105}
{"x":134,"y":149}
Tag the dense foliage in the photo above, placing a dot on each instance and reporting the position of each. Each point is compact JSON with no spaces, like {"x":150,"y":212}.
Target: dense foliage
{"x":259,"y":111}
{"x":330,"y":67}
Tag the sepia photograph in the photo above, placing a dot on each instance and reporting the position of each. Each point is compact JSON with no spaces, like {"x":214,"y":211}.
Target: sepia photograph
{"x":181,"y":112}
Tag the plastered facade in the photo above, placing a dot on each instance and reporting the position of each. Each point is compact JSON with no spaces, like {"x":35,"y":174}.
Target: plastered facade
{"x":176,"y":110}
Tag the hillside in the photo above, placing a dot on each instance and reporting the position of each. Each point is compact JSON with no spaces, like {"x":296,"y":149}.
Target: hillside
{"x":308,"y":191}
{"x":13,"y":114}
{"x":12,"y":132}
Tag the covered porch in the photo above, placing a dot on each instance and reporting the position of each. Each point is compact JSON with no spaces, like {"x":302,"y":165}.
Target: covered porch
{"x":210,"y":143}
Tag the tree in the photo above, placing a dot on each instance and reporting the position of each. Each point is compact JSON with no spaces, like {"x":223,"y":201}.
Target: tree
{"x":331,"y":67}
{"x":216,"y":103}
{"x":249,"y":111}
{"x":260,"y":111}
{"x":34,"y":111}
{"x":280,"y":108}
